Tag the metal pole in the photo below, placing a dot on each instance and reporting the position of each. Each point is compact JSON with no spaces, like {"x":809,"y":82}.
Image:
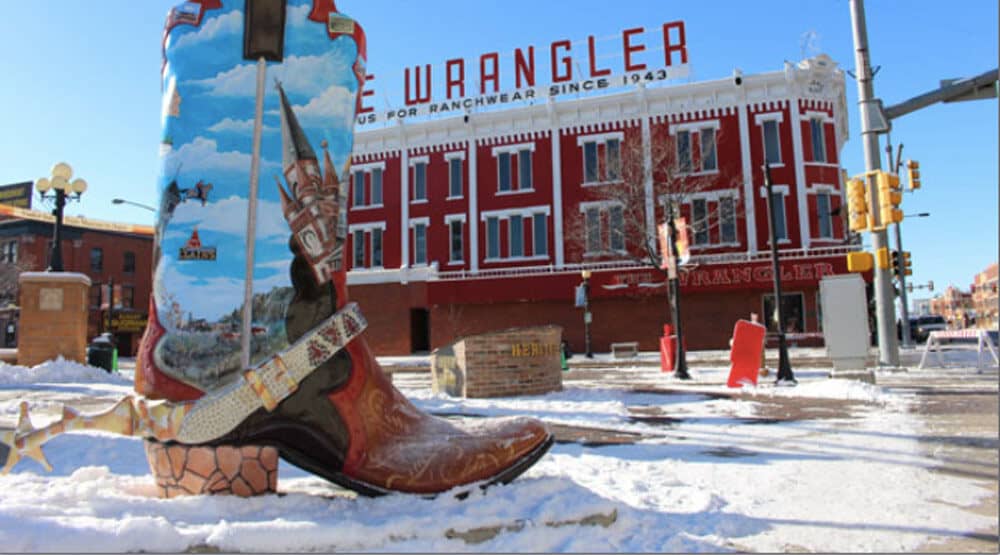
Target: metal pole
{"x":247,"y":330}
{"x":888,"y":348}
{"x":57,"y":261}
{"x":586,"y":317}
{"x":680,"y":357}
{"x":904,"y":311}
{"x":784,"y":366}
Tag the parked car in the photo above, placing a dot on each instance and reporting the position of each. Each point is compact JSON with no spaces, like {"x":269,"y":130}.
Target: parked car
{"x":922,"y":326}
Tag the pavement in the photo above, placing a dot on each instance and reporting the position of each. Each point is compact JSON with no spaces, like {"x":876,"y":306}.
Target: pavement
{"x":957,"y":407}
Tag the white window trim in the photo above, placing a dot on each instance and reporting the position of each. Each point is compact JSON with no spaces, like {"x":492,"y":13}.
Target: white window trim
{"x":448,"y":157}
{"x":515,"y":259}
{"x":366,"y":226}
{"x":602,"y":206}
{"x":414,"y":222}
{"x":448,"y":218}
{"x":367,"y":168}
{"x":813,"y":114}
{"x":599,"y":204}
{"x":523,"y":212}
{"x":517,"y":192}
{"x":784,"y":191}
{"x":600,"y":138}
{"x":513,"y":149}
{"x":713,"y":196}
{"x":419,"y":201}
{"x":425,"y":220}
{"x":694,"y":126}
{"x":759,"y":119}
{"x":455,"y":155}
{"x":510,"y":237}
{"x":367,"y":207}
{"x":419,"y":160}
{"x":816,"y":188}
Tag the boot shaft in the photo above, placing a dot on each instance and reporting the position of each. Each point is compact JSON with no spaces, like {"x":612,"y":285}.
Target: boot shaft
{"x":309,"y":61}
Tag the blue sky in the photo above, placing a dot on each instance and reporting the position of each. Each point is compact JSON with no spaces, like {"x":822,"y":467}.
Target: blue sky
{"x":82,"y":84}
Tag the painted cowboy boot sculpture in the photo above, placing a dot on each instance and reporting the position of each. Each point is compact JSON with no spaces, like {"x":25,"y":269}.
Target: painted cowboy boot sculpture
{"x":252,"y":343}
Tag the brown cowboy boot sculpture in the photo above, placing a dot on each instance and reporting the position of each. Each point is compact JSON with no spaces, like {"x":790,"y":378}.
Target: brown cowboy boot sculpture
{"x":252,"y":344}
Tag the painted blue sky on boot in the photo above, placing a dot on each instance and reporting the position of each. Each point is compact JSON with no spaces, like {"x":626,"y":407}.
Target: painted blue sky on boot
{"x":208,"y":129}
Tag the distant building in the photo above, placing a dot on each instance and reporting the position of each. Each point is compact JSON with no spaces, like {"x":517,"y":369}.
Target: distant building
{"x":984,"y":298}
{"x":104,"y":251}
{"x":921,"y":307}
{"x":955,"y":306}
{"x":485,"y":220}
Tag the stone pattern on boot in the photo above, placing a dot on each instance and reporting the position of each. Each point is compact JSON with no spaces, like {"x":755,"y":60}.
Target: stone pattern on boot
{"x":194,"y":470}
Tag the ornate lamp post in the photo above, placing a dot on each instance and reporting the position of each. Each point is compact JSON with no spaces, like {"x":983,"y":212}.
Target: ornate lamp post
{"x":60,"y":186}
{"x":585,"y":274}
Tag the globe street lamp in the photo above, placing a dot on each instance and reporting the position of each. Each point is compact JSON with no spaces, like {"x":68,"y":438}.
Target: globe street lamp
{"x":59,"y":185}
{"x":139,"y":204}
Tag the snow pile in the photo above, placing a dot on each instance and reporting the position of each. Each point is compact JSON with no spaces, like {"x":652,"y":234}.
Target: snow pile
{"x":59,"y":370}
{"x":846,"y":390}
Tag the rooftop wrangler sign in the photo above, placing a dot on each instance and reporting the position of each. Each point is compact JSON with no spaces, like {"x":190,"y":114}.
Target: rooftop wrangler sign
{"x":464,"y":93}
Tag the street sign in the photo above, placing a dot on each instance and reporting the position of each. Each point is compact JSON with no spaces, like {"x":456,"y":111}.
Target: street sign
{"x":683,"y":240}
{"x":580,"y":300}
{"x":664,"y":235}
{"x":128,"y":322}
{"x":16,"y":194}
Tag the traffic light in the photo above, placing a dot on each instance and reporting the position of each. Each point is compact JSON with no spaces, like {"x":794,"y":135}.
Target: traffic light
{"x":895,"y":263}
{"x":882,"y":258}
{"x":860,"y":261}
{"x":889,"y":198}
{"x":907,"y":264}
{"x":913,"y":174}
{"x":857,"y":205}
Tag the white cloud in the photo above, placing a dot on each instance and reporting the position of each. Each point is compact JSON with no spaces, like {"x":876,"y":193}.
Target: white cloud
{"x":202,"y":154}
{"x":298,"y":75}
{"x":226,"y":24}
{"x":334,"y":102}
{"x":229,"y":216}
{"x":237,"y":126}
{"x":297,"y":15}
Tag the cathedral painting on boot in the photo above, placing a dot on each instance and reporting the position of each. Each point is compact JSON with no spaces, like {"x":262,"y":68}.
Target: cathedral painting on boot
{"x":252,"y":343}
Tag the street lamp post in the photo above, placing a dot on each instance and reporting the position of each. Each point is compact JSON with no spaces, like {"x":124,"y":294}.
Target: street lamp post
{"x":785,"y":375}
{"x":585,"y":274}
{"x":60,"y":185}
{"x":139,"y":204}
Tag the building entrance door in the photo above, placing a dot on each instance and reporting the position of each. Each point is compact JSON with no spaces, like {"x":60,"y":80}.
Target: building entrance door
{"x":420,"y":330}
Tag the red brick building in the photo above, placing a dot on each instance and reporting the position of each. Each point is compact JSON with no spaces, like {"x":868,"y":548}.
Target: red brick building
{"x":485,"y":221}
{"x":106,"y":252}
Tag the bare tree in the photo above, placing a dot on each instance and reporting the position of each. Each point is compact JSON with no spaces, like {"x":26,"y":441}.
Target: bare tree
{"x":671,"y":169}
{"x":9,"y":272}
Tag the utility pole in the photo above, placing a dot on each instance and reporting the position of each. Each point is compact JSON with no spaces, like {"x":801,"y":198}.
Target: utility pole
{"x":888,"y":348}
{"x":904,"y":310}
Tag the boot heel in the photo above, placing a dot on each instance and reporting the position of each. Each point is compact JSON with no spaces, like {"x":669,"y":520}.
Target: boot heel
{"x":244,"y":471}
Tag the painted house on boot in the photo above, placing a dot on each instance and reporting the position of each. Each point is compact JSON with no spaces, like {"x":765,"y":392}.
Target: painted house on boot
{"x":485,"y":221}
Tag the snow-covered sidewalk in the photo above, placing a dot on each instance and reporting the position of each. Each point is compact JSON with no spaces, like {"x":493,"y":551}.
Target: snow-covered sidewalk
{"x":708,"y":472}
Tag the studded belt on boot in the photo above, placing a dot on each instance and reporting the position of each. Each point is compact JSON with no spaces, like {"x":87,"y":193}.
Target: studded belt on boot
{"x":209,"y":417}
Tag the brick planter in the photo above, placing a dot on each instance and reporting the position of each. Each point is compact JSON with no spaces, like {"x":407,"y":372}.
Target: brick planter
{"x":53,"y":317}
{"x":196,"y":470}
{"x":517,"y":361}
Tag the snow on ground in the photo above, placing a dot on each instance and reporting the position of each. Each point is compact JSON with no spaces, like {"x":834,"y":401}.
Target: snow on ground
{"x":708,"y":482}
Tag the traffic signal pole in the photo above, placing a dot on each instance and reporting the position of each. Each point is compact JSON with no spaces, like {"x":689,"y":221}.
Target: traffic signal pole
{"x":904,"y":310}
{"x":888,"y":348}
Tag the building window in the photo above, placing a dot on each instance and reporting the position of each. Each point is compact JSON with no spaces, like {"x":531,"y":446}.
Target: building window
{"x":818,"y":140}
{"x":597,"y":240}
{"x":778,"y":205}
{"x":492,"y":237}
{"x":8,"y":252}
{"x":128,"y":296}
{"x":359,"y":248}
{"x":96,"y":293}
{"x":420,"y":181}
{"x":128,"y":262}
{"x":541,"y":239}
{"x":376,"y":235}
{"x":772,"y":146}
{"x":512,"y":179}
{"x":455,"y":241}
{"x":455,"y":178}
{"x":792,"y":306}
{"x":593,"y":238}
{"x":709,"y":161}
{"x":684,"y":151}
{"x":524,"y":170}
{"x":616,"y":228}
{"x":727,"y":220}
{"x":96,"y":259}
{"x":503,"y":161}
{"x":419,"y":243}
{"x":376,"y":186}
{"x":823,"y":214}
{"x":699,"y":221}
{"x":601,"y":158}
{"x":359,"y":188}
{"x":516,"y":228}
